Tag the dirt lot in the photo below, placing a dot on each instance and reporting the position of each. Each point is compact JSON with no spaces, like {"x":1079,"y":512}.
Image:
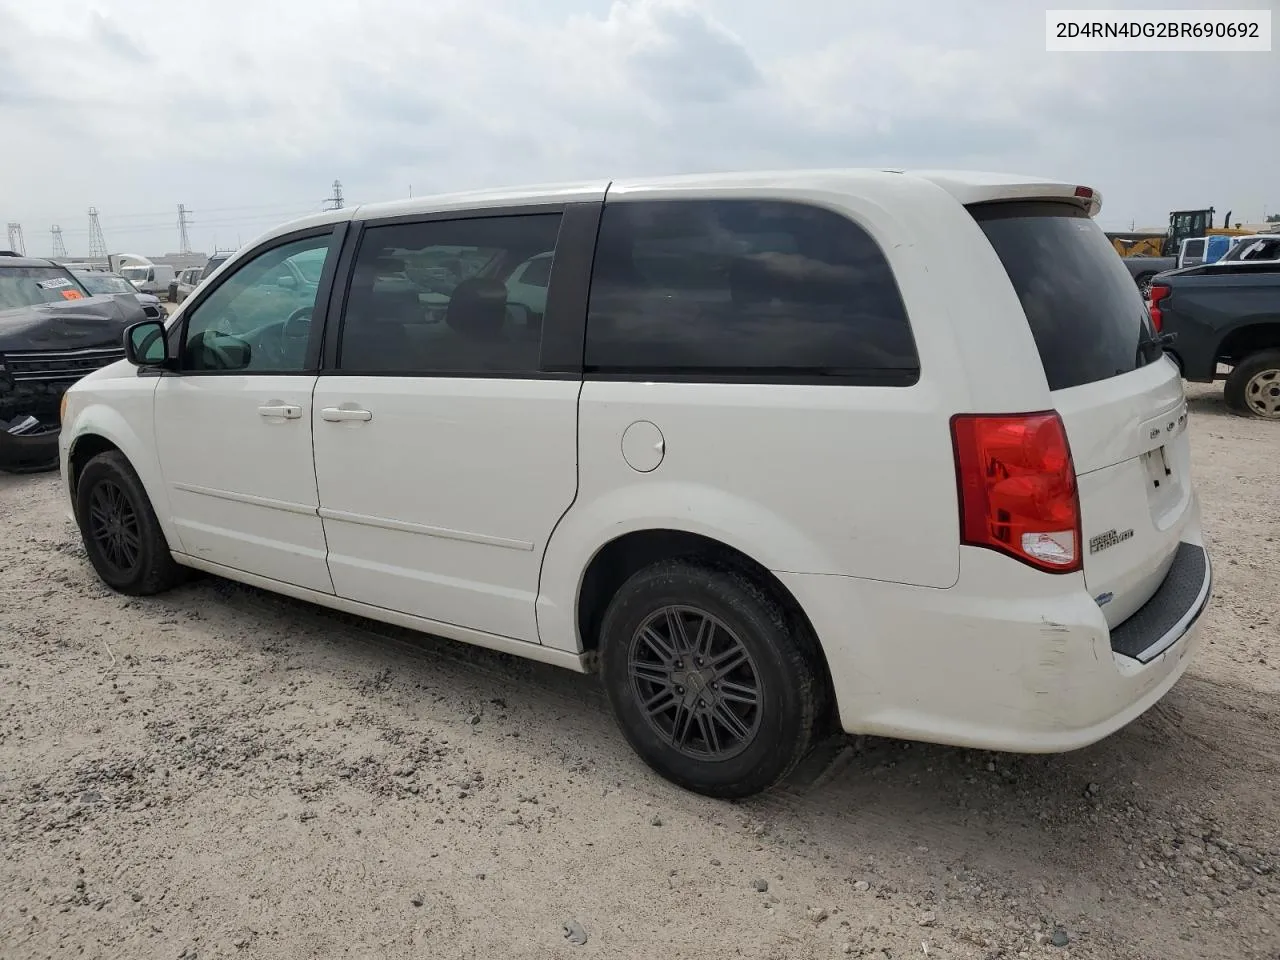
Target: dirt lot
{"x":220,"y":773}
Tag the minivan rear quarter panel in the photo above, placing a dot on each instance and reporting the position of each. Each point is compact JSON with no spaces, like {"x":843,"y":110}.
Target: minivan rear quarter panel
{"x":855,"y":481}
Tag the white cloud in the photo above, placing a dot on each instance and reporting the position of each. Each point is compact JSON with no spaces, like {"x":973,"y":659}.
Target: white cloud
{"x":246,"y":113}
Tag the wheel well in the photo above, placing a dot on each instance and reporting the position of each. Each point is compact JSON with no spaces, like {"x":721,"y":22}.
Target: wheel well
{"x":1238,"y":344}
{"x":84,"y":450}
{"x":617,"y":560}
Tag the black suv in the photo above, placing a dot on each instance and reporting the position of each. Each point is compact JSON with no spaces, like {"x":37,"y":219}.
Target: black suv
{"x":52,"y":333}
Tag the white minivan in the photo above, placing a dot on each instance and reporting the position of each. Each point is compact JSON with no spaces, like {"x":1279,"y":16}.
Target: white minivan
{"x":890,"y":452}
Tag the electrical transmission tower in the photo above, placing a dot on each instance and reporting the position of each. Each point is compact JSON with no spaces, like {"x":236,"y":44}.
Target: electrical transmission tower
{"x":16,"y":243}
{"x":335,"y":202}
{"x":184,"y":218}
{"x":97,"y":242}
{"x":59,"y":248}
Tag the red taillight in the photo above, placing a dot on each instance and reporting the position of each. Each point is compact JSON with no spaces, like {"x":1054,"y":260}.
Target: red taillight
{"x":1157,"y":293}
{"x":1085,"y":192}
{"x":1017,"y":488}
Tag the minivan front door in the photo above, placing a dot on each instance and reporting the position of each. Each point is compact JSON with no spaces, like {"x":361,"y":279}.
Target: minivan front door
{"x":233,"y":425}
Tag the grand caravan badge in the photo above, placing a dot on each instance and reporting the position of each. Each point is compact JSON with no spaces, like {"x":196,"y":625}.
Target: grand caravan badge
{"x":1109,"y":539}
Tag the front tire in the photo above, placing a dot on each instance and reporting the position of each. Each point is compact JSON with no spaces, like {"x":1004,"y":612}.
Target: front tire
{"x":1253,"y":386}
{"x":120,"y":530}
{"x":708,"y":679}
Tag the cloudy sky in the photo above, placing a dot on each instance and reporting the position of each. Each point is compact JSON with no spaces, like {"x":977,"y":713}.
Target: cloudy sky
{"x":247,"y":112}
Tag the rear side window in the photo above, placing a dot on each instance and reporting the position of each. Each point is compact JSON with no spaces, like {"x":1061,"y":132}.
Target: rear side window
{"x":733,"y":288}
{"x":432,"y":298}
{"x":1085,"y":312}
{"x":537,"y":273}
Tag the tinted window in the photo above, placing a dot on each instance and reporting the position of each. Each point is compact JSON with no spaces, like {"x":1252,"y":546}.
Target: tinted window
{"x":537,"y":273}
{"x":432,"y":297}
{"x":1086,"y":314}
{"x":29,"y":286}
{"x":742,"y":287}
{"x":259,"y":317}
{"x":1195,"y":248}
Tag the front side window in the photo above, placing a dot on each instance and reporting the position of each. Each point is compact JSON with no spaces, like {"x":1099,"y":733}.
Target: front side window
{"x":432,"y":297}
{"x":259,"y":317}
{"x":744,"y":288}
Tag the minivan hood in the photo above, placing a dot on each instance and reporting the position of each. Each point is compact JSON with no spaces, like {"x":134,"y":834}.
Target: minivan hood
{"x":88,"y":322}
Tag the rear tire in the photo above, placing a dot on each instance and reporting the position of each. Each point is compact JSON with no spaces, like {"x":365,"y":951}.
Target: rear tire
{"x":708,"y":679}
{"x":120,"y":530}
{"x":1253,"y":386}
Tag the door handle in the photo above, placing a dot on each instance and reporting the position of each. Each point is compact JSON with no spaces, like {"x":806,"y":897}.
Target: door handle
{"x":339,"y":414}
{"x":286,"y":411}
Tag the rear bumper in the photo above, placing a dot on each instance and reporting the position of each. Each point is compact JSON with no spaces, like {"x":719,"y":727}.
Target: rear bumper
{"x":1028,"y":668}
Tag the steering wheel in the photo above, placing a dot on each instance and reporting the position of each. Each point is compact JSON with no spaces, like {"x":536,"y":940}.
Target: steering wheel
{"x":208,"y":344}
{"x":301,"y":331}
{"x":292,"y":334}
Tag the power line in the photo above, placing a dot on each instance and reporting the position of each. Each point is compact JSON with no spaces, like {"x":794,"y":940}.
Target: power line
{"x":251,"y":206}
{"x":159,"y":225}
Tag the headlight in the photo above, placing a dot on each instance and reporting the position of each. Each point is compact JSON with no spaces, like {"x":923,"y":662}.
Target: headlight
{"x":62,"y":409}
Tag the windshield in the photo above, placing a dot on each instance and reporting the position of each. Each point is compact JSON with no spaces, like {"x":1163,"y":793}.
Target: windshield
{"x":104,"y":283}
{"x":1086,"y":315}
{"x":135,"y":273}
{"x":30,"y":286}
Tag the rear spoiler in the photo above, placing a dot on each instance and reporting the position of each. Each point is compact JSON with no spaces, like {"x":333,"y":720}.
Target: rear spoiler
{"x":970,"y":188}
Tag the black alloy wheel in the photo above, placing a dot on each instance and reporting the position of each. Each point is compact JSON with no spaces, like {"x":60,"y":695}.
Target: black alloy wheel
{"x":121,"y":533}
{"x":696,"y":682}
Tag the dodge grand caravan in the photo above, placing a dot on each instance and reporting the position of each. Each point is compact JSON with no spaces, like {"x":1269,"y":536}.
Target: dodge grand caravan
{"x":895,"y":452}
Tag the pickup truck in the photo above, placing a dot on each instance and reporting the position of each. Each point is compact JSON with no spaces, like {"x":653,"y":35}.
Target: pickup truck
{"x":1192,"y":252}
{"x":1225,"y":313}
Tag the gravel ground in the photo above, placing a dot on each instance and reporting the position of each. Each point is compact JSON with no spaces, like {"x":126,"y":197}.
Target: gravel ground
{"x":222,"y":773}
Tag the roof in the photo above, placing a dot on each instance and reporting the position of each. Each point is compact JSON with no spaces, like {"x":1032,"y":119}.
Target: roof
{"x":966,"y":186}
{"x":8,"y":261}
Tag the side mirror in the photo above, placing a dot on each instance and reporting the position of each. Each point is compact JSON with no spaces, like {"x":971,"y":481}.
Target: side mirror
{"x":145,"y":344}
{"x":287,"y":281}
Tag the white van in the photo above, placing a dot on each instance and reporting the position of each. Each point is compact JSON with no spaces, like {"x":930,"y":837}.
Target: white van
{"x":898,"y":453}
{"x":152,"y":278}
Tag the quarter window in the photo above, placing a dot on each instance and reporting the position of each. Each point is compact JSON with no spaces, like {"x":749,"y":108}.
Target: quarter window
{"x":435,"y":297}
{"x":742,"y":287}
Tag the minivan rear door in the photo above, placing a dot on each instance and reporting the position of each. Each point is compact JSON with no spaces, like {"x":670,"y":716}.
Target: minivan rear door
{"x":1120,"y":399}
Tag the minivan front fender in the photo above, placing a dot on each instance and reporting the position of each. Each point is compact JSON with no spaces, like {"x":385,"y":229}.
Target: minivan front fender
{"x":123,"y":421}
